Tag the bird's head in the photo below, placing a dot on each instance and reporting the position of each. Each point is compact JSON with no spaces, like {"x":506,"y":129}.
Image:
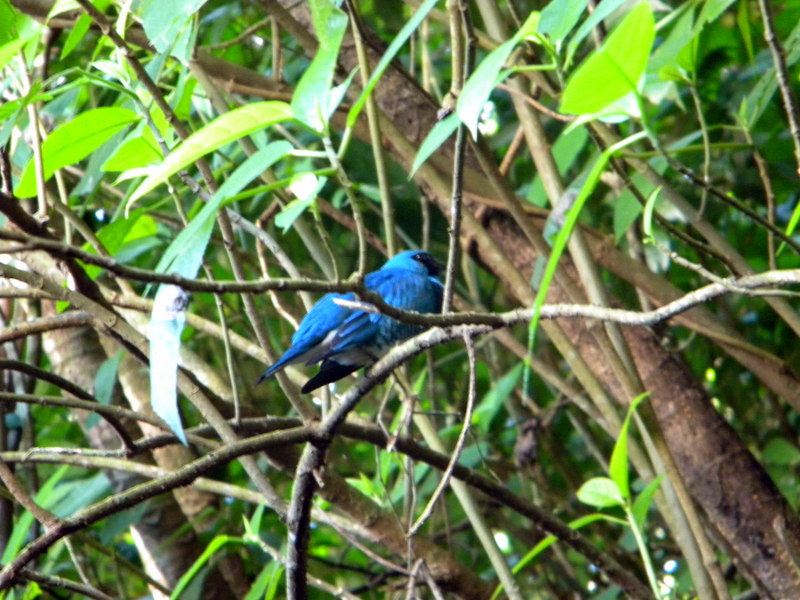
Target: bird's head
{"x":415,"y":260}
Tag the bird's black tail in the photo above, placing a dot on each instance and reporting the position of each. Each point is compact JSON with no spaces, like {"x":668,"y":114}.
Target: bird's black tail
{"x":329,"y":372}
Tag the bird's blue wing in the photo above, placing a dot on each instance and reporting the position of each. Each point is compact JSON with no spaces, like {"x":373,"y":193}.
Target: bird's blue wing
{"x":324,"y":317}
{"x":359,"y":327}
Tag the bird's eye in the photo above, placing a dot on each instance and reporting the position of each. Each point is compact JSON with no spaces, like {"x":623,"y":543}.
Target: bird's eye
{"x":419,"y":257}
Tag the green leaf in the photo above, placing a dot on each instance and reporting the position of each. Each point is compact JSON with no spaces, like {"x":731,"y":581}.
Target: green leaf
{"x":252,"y":526}
{"x":780,"y":451}
{"x":600,"y":492}
{"x":600,"y":12}
{"x":221,"y":131}
{"x":164,"y":332}
{"x":74,"y":141}
{"x":492,"y":403}
{"x":397,"y":43}
{"x":136,"y":152}
{"x":266,"y":584}
{"x":167,"y":23}
{"x":8,"y":17}
{"x":104,"y":383}
{"x":559,"y":17}
{"x":211,"y":550}
{"x":75,"y":494}
{"x":437,"y":136}
{"x":616,"y":68}
{"x":367,"y":487}
{"x":545,"y":543}
{"x":618,"y":465}
{"x":649,"y":208}
{"x":626,"y":210}
{"x":46,"y":497}
{"x":743,"y":23}
{"x":713,"y":9}
{"x":10,"y":49}
{"x":481,"y":83}
{"x":119,"y":232}
{"x":76,"y":34}
{"x":310,"y":102}
{"x":644,"y":500}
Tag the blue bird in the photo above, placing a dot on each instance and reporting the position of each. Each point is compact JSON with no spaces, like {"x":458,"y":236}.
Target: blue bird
{"x":346,"y":339}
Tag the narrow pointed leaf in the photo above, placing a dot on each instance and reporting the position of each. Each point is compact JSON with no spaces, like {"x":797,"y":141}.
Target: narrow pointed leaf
{"x":221,"y":131}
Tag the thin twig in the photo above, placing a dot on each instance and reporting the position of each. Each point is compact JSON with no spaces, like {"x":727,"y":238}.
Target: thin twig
{"x":55,"y":583}
{"x":784,"y":80}
{"x":462,"y":438}
{"x":43,"y":324}
{"x":463,"y":43}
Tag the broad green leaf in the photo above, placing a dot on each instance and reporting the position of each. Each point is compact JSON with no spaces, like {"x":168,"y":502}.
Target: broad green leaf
{"x":437,"y":136}
{"x":310,"y":101}
{"x":492,"y":403}
{"x":644,"y":500}
{"x":119,"y":232}
{"x":185,"y":253}
{"x":626,"y":210}
{"x":600,"y":12}
{"x":388,"y":56}
{"x":136,"y":152}
{"x":167,"y":23}
{"x":74,"y":141}
{"x":10,"y":49}
{"x":618,"y":465}
{"x":559,"y":17}
{"x":481,"y":83}
{"x":8,"y":16}
{"x":164,"y":332}
{"x":600,"y":492}
{"x":221,"y":131}
{"x":616,"y":68}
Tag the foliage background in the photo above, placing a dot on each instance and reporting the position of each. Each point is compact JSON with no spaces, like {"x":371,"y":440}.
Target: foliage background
{"x":100,"y":501}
